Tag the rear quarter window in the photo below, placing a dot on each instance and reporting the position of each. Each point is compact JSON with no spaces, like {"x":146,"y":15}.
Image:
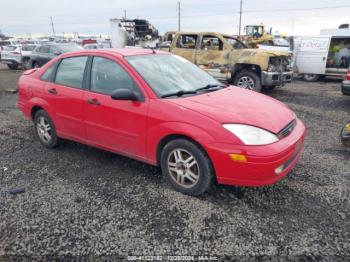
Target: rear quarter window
{"x":48,"y":75}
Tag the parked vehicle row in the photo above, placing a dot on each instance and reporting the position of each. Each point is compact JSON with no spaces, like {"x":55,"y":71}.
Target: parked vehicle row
{"x":44,"y":53}
{"x":12,"y":55}
{"x":31,"y":56}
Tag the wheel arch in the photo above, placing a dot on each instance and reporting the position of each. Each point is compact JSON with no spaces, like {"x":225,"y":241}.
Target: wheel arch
{"x":34,"y":110}
{"x":242,"y":66}
{"x":170,"y":137}
{"x":36,"y":104}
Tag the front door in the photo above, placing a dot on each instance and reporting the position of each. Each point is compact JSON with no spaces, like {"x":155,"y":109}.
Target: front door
{"x":117,"y":125}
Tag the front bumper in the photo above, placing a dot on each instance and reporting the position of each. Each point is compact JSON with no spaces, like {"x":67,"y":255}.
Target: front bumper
{"x":345,"y":87}
{"x":276,"y":78}
{"x":262,"y":161}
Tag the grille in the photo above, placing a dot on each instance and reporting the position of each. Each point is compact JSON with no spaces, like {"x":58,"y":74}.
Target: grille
{"x":287,"y":129}
{"x":280,"y":63}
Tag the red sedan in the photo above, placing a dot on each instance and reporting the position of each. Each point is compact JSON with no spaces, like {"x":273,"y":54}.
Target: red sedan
{"x":165,"y":111}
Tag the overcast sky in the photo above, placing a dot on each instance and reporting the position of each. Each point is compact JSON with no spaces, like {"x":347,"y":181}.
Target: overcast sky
{"x":298,"y":17}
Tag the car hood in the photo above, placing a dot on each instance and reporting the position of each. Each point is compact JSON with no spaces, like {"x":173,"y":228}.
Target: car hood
{"x":240,"y":106}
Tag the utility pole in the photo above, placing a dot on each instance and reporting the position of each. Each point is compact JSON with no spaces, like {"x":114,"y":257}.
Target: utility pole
{"x":179,"y":16}
{"x":53,"y":27}
{"x":240,"y":18}
{"x":124,"y":14}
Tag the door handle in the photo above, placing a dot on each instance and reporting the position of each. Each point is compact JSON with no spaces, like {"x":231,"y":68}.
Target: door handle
{"x":53,"y":91}
{"x":93,"y":101}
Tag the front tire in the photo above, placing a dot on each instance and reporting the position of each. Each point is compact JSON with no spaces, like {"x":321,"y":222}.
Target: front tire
{"x":187,"y":167}
{"x":248,"y":80}
{"x":45,"y":129}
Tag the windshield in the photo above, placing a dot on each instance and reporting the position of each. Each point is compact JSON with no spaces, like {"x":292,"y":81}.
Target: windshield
{"x":167,"y":74}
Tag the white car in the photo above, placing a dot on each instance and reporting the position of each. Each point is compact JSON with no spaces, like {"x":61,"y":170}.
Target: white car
{"x":12,"y":55}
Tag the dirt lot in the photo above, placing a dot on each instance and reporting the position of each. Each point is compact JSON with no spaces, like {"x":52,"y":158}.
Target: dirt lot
{"x":85,"y":202}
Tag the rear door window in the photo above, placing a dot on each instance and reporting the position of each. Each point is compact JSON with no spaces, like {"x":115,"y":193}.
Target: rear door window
{"x":10,"y":48}
{"x":70,"y":71}
{"x":45,"y":49}
{"x":211,"y":43}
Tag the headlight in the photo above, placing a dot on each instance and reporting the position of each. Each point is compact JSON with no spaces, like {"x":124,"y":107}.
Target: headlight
{"x":251,"y":135}
{"x":271,"y":68}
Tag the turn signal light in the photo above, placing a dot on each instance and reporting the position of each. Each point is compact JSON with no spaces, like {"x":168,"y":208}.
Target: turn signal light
{"x":238,"y":158}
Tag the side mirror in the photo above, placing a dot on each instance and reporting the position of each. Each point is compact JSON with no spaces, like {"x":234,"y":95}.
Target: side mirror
{"x":124,"y":94}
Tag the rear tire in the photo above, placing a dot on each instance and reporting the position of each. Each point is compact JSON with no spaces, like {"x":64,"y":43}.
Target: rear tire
{"x":310,"y":77}
{"x":187,"y":167}
{"x":35,"y":65}
{"x":45,"y":129}
{"x":12,"y":66}
{"x":248,"y":80}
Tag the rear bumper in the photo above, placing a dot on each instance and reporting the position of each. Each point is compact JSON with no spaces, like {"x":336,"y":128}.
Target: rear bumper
{"x":10,"y":62}
{"x":345,"y":87}
{"x":276,"y":78}
{"x":262,"y":161}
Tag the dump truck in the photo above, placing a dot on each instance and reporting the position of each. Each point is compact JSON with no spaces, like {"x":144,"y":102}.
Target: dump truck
{"x":228,"y":59}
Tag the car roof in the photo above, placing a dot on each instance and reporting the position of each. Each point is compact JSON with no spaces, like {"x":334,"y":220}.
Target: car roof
{"x":121,"y":52}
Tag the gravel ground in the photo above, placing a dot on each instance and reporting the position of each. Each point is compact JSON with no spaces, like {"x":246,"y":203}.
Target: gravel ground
{"x":88,"y":203}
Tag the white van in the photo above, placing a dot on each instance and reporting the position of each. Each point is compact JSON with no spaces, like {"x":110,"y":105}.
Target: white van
{"x":323,"y":55}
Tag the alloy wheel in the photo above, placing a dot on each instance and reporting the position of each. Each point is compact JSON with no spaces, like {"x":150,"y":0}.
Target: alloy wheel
{"x":43,"y":128}
{"x":246,"y":82}
{"x":183,"y":168}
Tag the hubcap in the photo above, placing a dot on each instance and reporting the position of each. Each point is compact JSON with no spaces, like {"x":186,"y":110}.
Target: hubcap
{"x":246,"y":82}
{"x":309,"y":77}
{"x":44,"y":129}
{"x":183,"y":168}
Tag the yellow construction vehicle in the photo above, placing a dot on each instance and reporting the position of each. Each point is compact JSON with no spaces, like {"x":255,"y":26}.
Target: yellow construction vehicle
{"x":255,"y":35}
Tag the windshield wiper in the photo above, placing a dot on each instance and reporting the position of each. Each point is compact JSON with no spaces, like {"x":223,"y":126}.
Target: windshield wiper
{"x":179,"y":93}
{"x":210,"y":86}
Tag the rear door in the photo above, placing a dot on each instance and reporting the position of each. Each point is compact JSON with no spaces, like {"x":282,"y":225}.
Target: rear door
{"x":65,"y":96}
{"x":185,"y":46}
{"x":42,"y":55}
{"x":311,"y":55}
